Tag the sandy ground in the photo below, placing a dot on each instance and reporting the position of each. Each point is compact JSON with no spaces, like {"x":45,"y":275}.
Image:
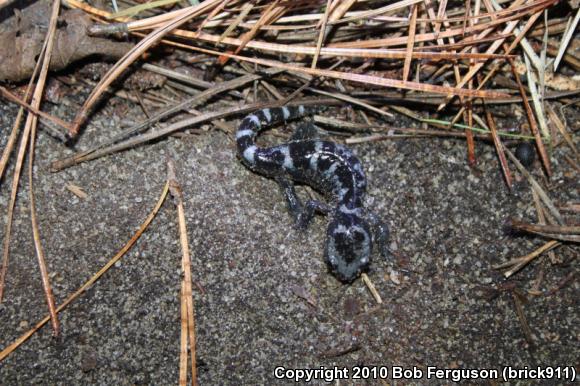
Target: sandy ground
{"x":263,"y":295}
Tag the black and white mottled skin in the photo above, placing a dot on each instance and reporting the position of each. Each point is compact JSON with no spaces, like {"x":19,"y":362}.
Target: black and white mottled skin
{"x":331,"y":169}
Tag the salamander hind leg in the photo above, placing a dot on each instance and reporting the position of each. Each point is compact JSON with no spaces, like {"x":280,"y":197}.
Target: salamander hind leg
{"x":305,"y":131}
{"x":380,"y":234}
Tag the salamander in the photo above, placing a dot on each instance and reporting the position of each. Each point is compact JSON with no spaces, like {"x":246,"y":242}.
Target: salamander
{"x":330,"y":168}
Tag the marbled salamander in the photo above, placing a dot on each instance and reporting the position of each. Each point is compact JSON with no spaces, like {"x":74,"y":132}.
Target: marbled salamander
{"x":328,"y":167}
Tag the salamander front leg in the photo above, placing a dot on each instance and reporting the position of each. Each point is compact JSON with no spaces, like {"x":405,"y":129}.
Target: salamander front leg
{"x":380,"y":234}
{"x":302,"y":213}
{"x":294,"y":204}
{"x":311,"y":207}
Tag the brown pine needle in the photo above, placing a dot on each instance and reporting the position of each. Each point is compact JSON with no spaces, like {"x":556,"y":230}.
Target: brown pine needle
{"x":30,"y":133}
{"x":518,"y":263}
{"x":14,"y":345}
{"x":183,"y":338}
{"x":469,"y":133}
{"x":532,"y":121}
{"x":499,"y":148}
{"x":466,"y":14}
{"x":352,"y":100}
{"x":212,"y":14}
{"x":561,"y":232}
{"x":382,"y":10}
{"x":440,"y":15}
{"x":186,"y":291}
{"x":271,"y":13}
{"x":339,"y":8}
{"x":536,"y":186}
{"x":13,"y":98}
{"x":16,"y":177}
{"x":321,"y":35}
{"x":522,"y":317}
{"x":246,"y":8}
{"x":561,"y":128}
{"x":8,"y":151}
{"x":341,"y":51}
{"x":410,"y":42}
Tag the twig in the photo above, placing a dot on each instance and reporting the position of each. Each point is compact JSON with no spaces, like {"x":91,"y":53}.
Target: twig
{"x":321,"y":35}
{"x":410,"y":42}
{"x":532,"y":121}
{"x":560,"y":232}
{"x":522,"y":317}
{"x":186,"y":292}
{"x":545,"y":199}
{"x":371,"y":288}
{"x":520,"y":262}
{"x":499,"y":148}
{"x":13,"y":98}
{"x":562,"y":129}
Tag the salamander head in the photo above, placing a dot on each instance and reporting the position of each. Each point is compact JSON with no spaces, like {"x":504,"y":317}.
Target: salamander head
{"x":348,"y":246}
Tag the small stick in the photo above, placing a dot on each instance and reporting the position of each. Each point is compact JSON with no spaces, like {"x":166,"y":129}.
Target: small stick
{"x":410,"y":42}
{"x":321,"y":35}
{"x":520,"y":262}
{"x":371,"y":288}
{"x":522,"y":317}
{"x":183,"y":339}
{"x":532,"y":120}
{"x":499,"y":148}
{"x":186,"y":291}
{"x":566,"y":233}
{"x":545,"y":199}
